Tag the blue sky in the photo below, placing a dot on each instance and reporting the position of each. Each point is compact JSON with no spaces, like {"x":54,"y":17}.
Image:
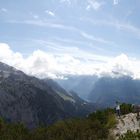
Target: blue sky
{"x":89,"y":31}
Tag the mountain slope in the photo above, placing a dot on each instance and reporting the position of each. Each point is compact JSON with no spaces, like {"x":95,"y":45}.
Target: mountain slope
{"x":33,"y":101}
{"x":80,"y":106}
{"x":107,"y":91}
{"x":81,"y":84}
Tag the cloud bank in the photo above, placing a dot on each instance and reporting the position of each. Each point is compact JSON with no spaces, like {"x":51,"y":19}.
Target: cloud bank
{"x":42,"y":64}
{"x":94,"y":4}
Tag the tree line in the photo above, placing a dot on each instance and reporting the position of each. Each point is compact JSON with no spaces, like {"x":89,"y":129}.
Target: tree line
{"x":96,"y":126}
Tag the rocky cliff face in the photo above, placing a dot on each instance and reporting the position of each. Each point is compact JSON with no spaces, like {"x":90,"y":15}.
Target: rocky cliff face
{"x":125,"y":123}
{"x":33,"y":101}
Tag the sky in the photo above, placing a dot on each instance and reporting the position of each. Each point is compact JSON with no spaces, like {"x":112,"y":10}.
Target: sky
{"x":55,"y":38}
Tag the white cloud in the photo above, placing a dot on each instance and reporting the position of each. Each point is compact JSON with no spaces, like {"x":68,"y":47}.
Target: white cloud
{"x":50,"y":13}
{"x":115,"y":2}
{"x":8,"y":56}
{"x":94,"y":4}
{"x":129,"y":28}
{"x":3,"y":10}
{"x":44,"y":23}
{"x":43,"y":64}
{"x":119,"y":25}
{"x":122,"y":65}
{"x":35,"y":16}
{"x":97,"y":39}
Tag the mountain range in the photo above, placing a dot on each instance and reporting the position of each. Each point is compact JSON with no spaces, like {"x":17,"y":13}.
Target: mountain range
{"x":34,"y":102}
{"x":81,"y":84}
{"x":104,"y":91}
{"x":108,"y":90}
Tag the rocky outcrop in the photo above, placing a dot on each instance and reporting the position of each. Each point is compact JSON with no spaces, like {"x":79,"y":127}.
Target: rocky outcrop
{"x":125,"y":123}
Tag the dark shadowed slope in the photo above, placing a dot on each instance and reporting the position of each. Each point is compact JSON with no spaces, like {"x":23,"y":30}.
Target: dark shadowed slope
{"x":33,"y":101}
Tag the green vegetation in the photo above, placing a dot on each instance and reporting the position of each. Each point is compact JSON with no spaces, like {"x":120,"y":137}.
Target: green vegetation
{"x":130,"y":136}
{"x":94,"y":127}
{"x":126,"y":108}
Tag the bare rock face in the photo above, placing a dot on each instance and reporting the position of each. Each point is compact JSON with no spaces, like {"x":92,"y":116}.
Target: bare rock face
{"x":125,"y":123}
{"x":33,"y":101}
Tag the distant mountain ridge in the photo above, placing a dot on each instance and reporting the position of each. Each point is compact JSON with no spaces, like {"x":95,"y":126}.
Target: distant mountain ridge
{"x":108,"y":90}
{"x":81,"y":84}
{"x":104,"y":91}
{"x":33,"y":101}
